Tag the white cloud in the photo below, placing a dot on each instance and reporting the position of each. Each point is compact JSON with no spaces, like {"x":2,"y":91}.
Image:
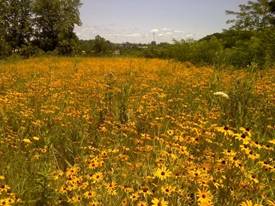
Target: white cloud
{"x":116,"y":33}
{"x":154,"y":30}
{"x":133,"y":35}
{"x":166,"y":29}
{"x":168,"y":33}
{"x":179,"y":31}
{"x":189,"y":35}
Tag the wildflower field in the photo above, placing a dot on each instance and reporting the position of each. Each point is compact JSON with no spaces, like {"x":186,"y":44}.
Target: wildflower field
{"x":137,"y":132}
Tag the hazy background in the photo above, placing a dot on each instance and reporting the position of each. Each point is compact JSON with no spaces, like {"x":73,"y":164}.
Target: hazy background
{"x":137,"y":20}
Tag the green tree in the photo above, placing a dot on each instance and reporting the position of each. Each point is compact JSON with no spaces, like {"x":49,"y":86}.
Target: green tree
{"x":272,"y":9}
{"x":258,"y":19}
{"x":54,"y":22}
{"x":253,"y":15}
{"x":3,"y":44}
{"x":101,"y":45}
{"x":15,"y":22}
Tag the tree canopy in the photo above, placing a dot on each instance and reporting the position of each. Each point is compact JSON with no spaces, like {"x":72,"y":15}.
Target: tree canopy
{"x":54,"y":22}
{"x":253,"y":15}
{"x":46,"y":24}
{"x":28,"y":27}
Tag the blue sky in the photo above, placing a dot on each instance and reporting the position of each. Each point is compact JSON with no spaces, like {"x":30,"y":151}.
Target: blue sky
{"x":137,"y":20}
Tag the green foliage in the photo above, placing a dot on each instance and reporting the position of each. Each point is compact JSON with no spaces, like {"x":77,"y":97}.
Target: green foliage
{"x":205,"y":52}
{"x":240,"y":108}
{"x":46,"y":21}
{"x":98,"y":47}
{"x":208,"y":51}
{"x":249,"y":43}
{"x":101,"y":46}
{"x":4,"y":48}
{"x":240,"y":49}
{"x":55,"y":22}
{"x":16,"y":24}
{"x":86,"y":47}
{"x":26,"y":25}
{"x":253,"y":15}
{"x":236,"y":110}
{"x":68,"y":43}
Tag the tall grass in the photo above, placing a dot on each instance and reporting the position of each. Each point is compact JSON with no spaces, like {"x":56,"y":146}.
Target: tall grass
{"x":111,"y":131}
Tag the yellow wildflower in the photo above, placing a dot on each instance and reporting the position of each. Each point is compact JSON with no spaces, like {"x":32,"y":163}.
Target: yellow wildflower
{"x":134,"y":196}
{"x":204,"y":198}
{"x":162,"y":173}
{"x":89,"y":194}
{"x":27,"y":141}
{"x":142,"y":203}
{"x":97,"y":177}
{"x":168,"y":189}
{"x":36,"y":138}
{"x":159,"y":202}
{"x":249,"y":203}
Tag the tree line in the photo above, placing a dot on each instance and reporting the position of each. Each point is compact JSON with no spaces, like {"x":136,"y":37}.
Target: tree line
{"x":31,"y":26}
{"x":249,"y":42}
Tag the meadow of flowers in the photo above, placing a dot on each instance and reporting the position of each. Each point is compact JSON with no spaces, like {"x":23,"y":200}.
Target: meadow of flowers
{"x":137,"y":132}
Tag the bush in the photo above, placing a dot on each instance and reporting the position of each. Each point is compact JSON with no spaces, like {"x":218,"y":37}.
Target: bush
{"x":5,"y":49}
{"x":30,"y":50}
